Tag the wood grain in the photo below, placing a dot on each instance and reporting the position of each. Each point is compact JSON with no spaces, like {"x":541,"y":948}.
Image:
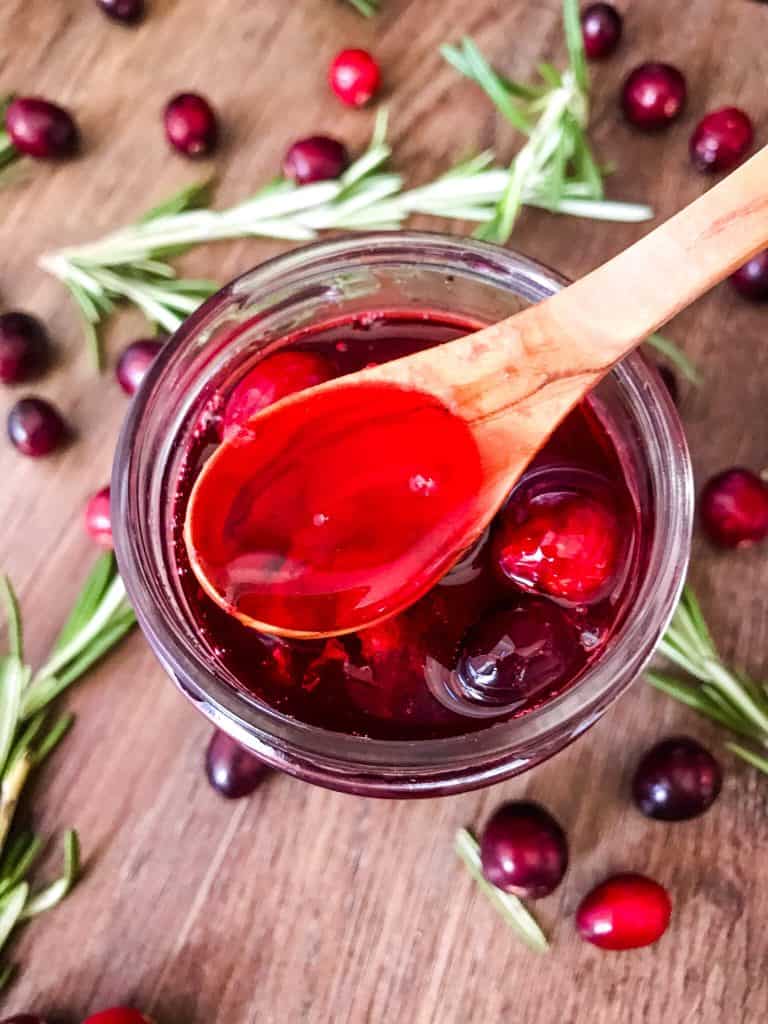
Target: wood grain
{"x":302,"y":905}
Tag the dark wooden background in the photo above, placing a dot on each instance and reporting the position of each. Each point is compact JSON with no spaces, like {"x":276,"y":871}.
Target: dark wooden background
{"x":301,"y":905}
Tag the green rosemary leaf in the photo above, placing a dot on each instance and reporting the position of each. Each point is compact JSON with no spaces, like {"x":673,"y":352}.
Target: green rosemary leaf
{"x":24,"y":740}
{"x":52,"y":738}
{"x":689,"y":695}
{"x":676,"y":356}
{"x":23,"y":863}
{"x":54,"y":893}
{"x":47,"y":688}
{"x":510,"y":907}
{"x":13,"y":618}
{"x":469,"y":61}
{"x":365,"y":7}
{"x":88,"y":601}
{"x":11,"y":909}
{"x":13,"y":851}
{"x":12,"y":677}
{"x":751,"y":756}
{"x":574,"y":40}
{"x":7,"y":974}
{"x":550,"y":74}
{"x":193,"y":197}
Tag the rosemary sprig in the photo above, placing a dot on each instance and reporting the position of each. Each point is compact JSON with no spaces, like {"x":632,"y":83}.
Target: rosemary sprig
{"x":29,"y":733}
{"x":556,"y":165}
{"x":731,"y":699}
{"x":132,"y":264}
{"x":510,"y":907}
{"x":366,"y":7}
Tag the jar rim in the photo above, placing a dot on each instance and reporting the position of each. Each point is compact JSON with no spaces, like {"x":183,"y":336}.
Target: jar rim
{"x":412,"y":767}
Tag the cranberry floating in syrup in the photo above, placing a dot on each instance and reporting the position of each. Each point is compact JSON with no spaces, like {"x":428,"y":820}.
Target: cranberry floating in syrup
{"x":567,"y":546}
{"x":270,"y":380}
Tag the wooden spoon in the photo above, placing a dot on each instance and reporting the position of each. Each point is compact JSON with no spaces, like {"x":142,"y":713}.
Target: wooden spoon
{"x":341,"y":505}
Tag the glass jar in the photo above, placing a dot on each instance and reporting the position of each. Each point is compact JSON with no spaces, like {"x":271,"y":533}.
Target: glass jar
{"x":317,"y":284}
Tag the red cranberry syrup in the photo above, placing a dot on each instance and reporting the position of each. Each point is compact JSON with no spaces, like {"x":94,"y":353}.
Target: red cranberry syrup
{"x":517,"y":621}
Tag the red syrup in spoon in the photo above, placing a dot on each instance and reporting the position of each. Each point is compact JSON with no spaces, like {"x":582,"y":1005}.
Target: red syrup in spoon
{"x":380,"y":680}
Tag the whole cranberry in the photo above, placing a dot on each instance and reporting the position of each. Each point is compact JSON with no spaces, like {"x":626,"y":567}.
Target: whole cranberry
{"x":567,"y":547}
{"x":517,"y":652}
{"x":677,"y":779}
{"x":355,"y":77}
{"x":270,"y":380}
{"x":232,"y":770}
{"x":35,"y":427}
{"x":721,"y":140}
{"x":523,"y":850}
{"x":134,"y":362}
{"x":191,"y":125}
{"x":751,"y":280}
{"x":24,"y":347}
{"x":317,"y":158}
{"x":118,"y":1015}
{"x":734,"y":508}
{"x":40,"y":128}
{"x":653,"y":95}
{"x":624,"y":912}
{"x":601,"y":26}
{"x":127,"y":11}
{"x":98,"y":518}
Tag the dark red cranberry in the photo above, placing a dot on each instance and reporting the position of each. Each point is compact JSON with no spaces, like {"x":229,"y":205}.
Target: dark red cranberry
{"x":35,"y":427}
{"x":524,"y":850}
{"x":670,"y":381}
{"x":624,"y":912}
{"x":355,"y":77}
{"x":134,"y":362}
{"x":734,"y":508}
{"x":318,"y":158}
{"x":567,"y":547}
{"x":677,"y":779}
{"x":118,"y":1015}
{"x":41,"y":129}
{"x":98,"y":519}
{"x":127,"y":11}
{"x":24,"y":347}
{"x":721,"y":140}
{"x":23,"y":1018}
{"x":232,"y":770}
{"x":751,"y":280}
{"x":653,"y":95}
{"x":601,"y":26}
{"x":270,"y":380}
{"x":191,"y":124}
{"x":517,"y":652}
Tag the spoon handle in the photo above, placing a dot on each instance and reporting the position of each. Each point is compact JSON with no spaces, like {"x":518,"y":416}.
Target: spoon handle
{"x":605,"y":314}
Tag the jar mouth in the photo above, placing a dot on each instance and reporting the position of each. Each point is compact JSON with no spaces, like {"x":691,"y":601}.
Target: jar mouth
{"x":355,"y":763}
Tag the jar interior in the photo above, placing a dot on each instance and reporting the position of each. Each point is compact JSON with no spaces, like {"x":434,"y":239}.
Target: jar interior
{"x":248,"y":321}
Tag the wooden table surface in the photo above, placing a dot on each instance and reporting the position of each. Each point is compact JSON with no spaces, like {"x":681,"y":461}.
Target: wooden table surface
{"x":301,"y":905}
